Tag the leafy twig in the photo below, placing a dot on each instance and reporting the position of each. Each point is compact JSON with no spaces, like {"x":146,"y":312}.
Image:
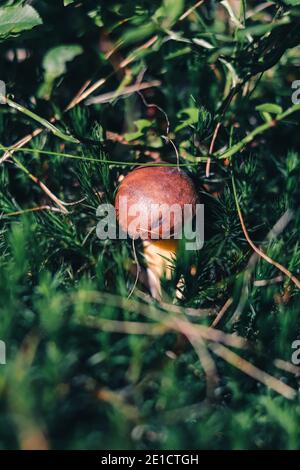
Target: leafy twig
{"x":259,"y":130}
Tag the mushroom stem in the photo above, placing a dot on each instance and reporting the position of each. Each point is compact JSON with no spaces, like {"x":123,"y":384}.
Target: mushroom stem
{"x":159,"y":255}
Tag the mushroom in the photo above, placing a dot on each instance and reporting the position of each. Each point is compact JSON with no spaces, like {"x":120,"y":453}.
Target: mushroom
{"x":141,"y":204}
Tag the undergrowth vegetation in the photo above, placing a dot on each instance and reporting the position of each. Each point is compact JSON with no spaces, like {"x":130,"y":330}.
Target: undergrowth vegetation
{"x":94,"y":89}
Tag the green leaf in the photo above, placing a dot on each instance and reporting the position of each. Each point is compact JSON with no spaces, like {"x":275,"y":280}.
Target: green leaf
{"x":95,"y":15}
{"x":141,"y":125}
{"x":292,"y":2}
{"x":55,"y":65}
{"x":269,"y":108}
{"x":188,"y":117}
{"x":138,"y":33}
{"x":173,"y":9}
{"x":55,"y":60}
{"x":16,"y":19}
{"x":168,"y":13}
{"x":261,"y":29}
{"x":68,"y":2}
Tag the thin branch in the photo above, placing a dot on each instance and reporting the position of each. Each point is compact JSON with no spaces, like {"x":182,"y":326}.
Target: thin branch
{"x":73,"y":102}
{"x":257,"y":250}
{"x":193,"y":312}
{"x":107,"y":97}
{"x":127,"y":327}
{"x":208,"y":364}
{"x":191,"y":331}
{"x":173,"y":322}
{"x":287,"y":366}
{"x":251,"y":370}
{"x":44,"y":188}
{"x":275,"y":231}
{"x":46,"y":124}
{"x":211,"y":149}
{"x":268,"y":282}
{"x":33,"y":209}
{"x":138,"y":268}
{"x":222,"y":312}
{"x":131,"y":57}
{"x":161,"y":110}
{"x":114,"y":137}
{"x":190,"y":10}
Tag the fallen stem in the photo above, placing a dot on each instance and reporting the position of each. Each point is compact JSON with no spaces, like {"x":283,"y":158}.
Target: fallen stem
{"x":48,"y":125}
{"x":41,"y":185}
{"x":253,"y":371}
{"x":255,"y":248}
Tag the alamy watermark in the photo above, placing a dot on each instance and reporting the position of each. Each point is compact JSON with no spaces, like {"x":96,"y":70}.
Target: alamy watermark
{"x":2,"y":92}
{"x":296,"y":93}
{"x":2,"y":353}
{"x":295,"y":359}
{"x":155,"y":222}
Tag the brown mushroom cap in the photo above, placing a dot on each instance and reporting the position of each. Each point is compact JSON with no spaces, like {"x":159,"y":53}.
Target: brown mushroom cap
{"x":150,"y":185}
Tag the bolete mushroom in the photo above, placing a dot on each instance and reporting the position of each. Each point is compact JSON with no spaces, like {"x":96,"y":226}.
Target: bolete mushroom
{"x":142,"y":202}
